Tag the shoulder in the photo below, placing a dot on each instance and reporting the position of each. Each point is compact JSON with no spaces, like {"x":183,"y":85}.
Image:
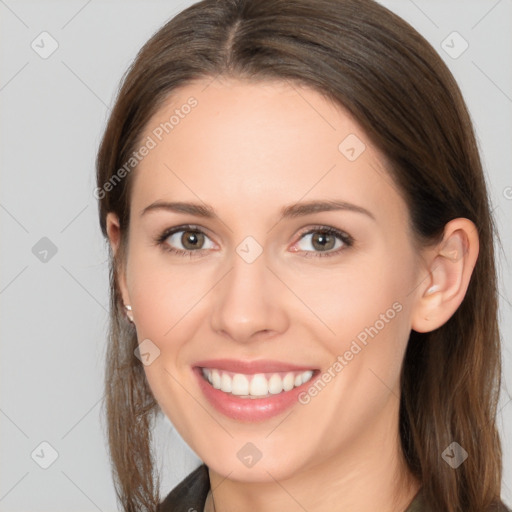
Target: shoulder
{"x":190,"y":494}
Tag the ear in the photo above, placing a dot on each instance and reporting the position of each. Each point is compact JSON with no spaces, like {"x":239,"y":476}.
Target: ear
{"x":114,"y":235}
{"x":449,"y":265}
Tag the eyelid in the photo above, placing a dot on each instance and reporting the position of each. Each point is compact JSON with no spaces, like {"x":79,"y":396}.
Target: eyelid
{"x":346,"y":239}
{"x":166,"y":233}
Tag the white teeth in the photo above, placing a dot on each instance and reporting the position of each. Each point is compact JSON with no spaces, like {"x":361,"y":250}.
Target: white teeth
{"x":240,"y":384}
{"x":257,"y":385}
{"x":288,"y":382}
{"x":307,"y":375}
{"x":225,"y":383}
{"x":215,"y":379}
{"x":275,"y":384}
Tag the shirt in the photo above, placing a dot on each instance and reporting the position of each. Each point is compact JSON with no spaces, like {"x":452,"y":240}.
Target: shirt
{"x":190,"y":495}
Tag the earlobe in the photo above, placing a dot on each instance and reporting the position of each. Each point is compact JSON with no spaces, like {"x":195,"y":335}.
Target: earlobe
{"x":450,"y":267}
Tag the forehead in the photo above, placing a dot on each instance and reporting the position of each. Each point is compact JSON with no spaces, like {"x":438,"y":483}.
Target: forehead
{"x":255,"y":145}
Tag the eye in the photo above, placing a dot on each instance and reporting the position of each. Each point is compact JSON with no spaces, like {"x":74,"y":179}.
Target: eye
{"x":188,"y":239}
{"x":326,"y":241}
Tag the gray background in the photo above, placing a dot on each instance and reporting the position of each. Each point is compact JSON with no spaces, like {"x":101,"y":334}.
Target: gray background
{"x":54,"y":312}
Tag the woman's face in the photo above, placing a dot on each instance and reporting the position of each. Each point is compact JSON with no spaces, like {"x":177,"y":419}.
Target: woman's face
{"x":251,"y":284}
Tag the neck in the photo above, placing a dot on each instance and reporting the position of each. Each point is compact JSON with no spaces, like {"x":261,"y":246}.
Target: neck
{"x":370,"y":473}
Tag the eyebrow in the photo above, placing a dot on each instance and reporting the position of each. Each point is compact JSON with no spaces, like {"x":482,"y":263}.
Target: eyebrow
{"x":291,"y":211}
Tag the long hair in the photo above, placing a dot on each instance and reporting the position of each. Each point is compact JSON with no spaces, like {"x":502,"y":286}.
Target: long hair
{"x":365,"y":58}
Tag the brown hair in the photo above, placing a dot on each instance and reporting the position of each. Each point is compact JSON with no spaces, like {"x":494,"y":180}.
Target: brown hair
{"x":374,"y":64}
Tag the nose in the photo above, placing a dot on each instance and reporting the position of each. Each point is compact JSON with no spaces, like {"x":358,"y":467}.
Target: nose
{"x":249,"y":302}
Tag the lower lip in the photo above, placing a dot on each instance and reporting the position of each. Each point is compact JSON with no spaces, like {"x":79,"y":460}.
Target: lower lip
{"x":250,"y":409}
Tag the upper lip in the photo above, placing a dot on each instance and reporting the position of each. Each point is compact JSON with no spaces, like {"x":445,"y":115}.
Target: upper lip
{"x":250,"y":367}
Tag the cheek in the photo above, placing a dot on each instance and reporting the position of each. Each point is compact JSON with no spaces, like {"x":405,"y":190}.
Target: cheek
{"x":365,"y":309}
{"x":169,"y":307}
{"x":370,"y":320}
{"x":349,"y":299}
{"x":163,"y":294}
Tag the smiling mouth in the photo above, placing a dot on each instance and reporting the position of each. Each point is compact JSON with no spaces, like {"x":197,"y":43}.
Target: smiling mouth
{"x":258,"y":385}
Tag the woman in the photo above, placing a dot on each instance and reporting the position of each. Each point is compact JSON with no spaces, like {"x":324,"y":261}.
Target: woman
{"x":302,"y":267}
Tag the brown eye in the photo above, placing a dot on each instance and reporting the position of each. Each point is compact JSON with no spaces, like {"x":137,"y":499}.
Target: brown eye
{"x":185,"y":240}
{"x":325,"y":241}
{"x":192,"y":240}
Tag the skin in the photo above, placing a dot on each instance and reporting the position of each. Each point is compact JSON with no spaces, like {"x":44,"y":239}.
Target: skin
{"x":248,"y":150}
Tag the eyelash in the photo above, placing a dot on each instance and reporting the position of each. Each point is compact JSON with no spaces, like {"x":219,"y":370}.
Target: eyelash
{"x":347,"y":240}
